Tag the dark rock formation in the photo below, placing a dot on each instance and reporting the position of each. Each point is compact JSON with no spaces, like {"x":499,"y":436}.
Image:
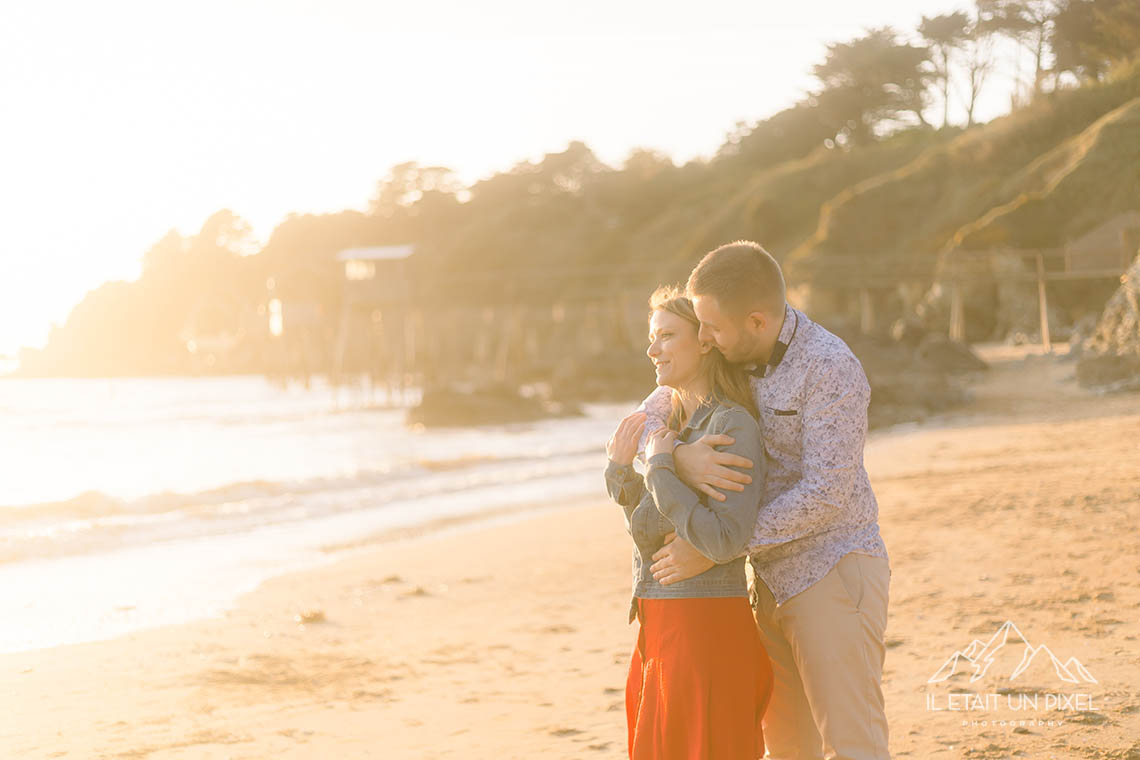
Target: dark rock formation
{"x":490,"y":405}
{"x":904,"y":386}
{"x":613,"y":376}
{"x":913,"y":372}
{"x":1110,"y":357}
{"x":948,"y":355}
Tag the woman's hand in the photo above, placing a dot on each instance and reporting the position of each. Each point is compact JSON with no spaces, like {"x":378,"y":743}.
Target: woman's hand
{"x":660,"y":442}
{"x":622,"y":446}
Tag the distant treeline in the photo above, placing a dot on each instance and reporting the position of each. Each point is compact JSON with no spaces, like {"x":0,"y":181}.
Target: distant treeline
{"x":881,"y":132}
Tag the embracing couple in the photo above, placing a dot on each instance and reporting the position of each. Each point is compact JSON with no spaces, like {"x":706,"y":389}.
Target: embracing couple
{"x":753,"y":450}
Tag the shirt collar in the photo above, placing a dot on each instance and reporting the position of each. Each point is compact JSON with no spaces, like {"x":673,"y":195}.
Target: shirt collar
{"x":787,"y":332}
{"x":789,"y":326}
{"x":703,"y":410}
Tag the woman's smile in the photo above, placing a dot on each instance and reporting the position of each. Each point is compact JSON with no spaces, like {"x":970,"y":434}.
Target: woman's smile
{"x":674,"y":349}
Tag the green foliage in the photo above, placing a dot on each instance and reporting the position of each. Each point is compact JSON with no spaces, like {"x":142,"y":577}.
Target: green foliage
{"x":871,"y":80}
{"x":1090,"y":36}
{"x":945,"y":34}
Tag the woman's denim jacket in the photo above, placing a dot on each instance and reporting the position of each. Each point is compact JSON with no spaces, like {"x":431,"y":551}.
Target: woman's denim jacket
{"x":661,"y":503}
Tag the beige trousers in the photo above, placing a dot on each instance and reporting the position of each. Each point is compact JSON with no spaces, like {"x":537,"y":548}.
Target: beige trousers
{"x":827,"y":651}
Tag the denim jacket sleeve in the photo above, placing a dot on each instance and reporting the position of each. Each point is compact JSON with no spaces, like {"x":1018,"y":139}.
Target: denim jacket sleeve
{"x":720,"y":530}
{"x":625,"y":486}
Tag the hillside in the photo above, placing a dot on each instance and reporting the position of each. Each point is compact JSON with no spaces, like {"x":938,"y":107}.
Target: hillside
{"x":920,"y":208}
{"x":1088,"y":178}
{"x":778,"y":205}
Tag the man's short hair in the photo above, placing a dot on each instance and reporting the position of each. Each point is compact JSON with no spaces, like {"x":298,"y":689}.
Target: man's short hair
{"x":741,"y":276}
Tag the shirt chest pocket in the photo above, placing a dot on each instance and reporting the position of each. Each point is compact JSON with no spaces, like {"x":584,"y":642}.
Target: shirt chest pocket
{"x":783,"y":429}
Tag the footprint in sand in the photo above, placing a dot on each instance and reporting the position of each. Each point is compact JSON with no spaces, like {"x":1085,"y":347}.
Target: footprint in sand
{"x":559,"y":629}
{"x":565,"y":732}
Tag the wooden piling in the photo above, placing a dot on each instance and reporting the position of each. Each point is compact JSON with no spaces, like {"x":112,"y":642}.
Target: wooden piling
{"x":1043,"y":304}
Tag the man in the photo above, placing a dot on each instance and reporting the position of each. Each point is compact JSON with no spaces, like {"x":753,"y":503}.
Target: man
{"x":821,"y":569}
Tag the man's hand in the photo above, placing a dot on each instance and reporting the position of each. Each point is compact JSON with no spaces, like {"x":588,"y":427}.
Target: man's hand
{"x":703,"y":468}
{"x":677,"y":561}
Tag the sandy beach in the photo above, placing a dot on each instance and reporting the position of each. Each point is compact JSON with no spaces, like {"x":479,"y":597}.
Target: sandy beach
{"x":507,"y":637}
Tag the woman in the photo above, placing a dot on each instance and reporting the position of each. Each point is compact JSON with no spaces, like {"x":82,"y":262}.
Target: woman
{"x":699,"y":677}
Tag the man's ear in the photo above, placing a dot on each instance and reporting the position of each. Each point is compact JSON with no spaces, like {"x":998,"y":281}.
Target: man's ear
{"x":756,"y":320}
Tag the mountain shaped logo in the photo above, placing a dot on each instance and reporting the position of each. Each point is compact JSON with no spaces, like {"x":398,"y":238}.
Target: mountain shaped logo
{"x":1010,"y":647}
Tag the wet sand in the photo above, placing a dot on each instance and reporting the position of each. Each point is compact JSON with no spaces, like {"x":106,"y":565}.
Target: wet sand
{"x":507,"y":638}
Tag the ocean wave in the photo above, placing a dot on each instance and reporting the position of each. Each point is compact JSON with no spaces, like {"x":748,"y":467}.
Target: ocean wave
{"x":94,"y":520}
{"x":96,"y":504}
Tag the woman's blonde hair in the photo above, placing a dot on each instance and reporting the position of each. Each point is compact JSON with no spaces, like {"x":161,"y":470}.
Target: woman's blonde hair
{"x":727,"y":383}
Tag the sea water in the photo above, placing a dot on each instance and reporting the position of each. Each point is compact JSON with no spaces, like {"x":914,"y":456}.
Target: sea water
{"x":134,"y":502}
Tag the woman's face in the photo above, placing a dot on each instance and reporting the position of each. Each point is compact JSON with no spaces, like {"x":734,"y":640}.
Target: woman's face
{"x":674,"y":348}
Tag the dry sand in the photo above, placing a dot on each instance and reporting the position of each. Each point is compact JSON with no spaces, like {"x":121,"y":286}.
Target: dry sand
{"x":508,"y":638}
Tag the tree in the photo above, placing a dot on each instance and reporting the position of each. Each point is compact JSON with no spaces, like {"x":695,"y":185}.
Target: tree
{"x":408,"y":183}
{"x":977,"y":62}
{"x":788,"y":134}
{"x":166,"y":253}
{"x":1089,"y":36}
{"x":945,"y":34}
{"x":1076,"y":40}
{"x":1119,"y":22}
{"x":228,"y":232}
{"x":1029,"y":23}
{"x":869,"y":81}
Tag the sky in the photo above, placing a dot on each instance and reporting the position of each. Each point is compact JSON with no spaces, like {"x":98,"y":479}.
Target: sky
{"x":123,"y":120}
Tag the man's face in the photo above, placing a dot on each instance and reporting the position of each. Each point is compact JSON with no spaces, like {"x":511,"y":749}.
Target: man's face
{"x":729,"y":333}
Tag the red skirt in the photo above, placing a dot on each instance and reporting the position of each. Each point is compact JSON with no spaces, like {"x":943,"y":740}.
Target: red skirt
{"x":699,"y":681}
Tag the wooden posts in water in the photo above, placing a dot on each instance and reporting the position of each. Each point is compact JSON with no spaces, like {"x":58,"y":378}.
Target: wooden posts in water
{"x":866,"y":312}
{"x":957,"y":313}
{"x":1129,"y":246}
{"x":976,"y":267}
{"x":1043,"y":303}
{"x":509,"y":329}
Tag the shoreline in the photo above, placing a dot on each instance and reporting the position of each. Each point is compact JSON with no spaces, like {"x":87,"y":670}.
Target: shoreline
{"x":102,"y":595}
